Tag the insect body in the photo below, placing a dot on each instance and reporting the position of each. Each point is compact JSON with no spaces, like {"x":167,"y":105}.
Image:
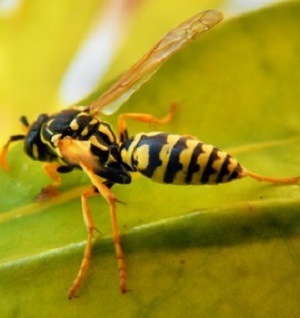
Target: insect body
{"x":76,"y":138}
{"x":103,"y":155}
{"x":179,"y":159}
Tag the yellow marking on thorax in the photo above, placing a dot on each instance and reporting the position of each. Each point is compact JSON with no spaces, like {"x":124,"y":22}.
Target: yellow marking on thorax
{"x":94,"y":141}
{"x":85,"y":131}
{"x":105,"y":130}
{"x":74,"y":125}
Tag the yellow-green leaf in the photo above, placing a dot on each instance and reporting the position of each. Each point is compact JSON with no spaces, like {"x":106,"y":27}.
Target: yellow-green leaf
{"x":210,"y":251}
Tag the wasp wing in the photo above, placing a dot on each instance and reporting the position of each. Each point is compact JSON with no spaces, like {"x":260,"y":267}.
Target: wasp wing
{"x":140,"y":72}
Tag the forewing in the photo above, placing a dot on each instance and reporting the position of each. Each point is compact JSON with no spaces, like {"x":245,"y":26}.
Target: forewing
{"x":139,"y":73}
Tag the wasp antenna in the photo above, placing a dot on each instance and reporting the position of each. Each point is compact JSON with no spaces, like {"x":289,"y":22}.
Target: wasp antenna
{"x":24,"y":121}
{"x":258,"y":177}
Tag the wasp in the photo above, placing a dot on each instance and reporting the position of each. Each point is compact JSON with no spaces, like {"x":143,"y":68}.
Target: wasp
{"x":76,"y":138}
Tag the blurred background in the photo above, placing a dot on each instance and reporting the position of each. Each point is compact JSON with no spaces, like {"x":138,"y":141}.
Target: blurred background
{"x":54,"y":53}
{"x":226,"y":251}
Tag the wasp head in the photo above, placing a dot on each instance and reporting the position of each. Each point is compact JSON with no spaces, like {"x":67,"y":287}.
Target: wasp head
{"x":34,"y":146}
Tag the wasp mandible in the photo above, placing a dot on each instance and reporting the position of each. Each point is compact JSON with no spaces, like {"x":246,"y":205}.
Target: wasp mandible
{"x":76,"y":138}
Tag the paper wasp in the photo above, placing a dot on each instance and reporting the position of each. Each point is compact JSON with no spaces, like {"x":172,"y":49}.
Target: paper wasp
{"x":76,"y":138}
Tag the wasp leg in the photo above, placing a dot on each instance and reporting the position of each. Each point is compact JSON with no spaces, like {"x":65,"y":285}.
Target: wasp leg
{"x":111,"y":200}
{"x":146,"y":118}
{"x":3,"y":154}
{"x":87,"y":217}
{"x":258,"y":177}
{"x":72,"y":148}
{"x":51,"y":169}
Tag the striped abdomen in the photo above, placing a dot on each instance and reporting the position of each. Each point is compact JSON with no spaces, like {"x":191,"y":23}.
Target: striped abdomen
{"x":179,"y":159}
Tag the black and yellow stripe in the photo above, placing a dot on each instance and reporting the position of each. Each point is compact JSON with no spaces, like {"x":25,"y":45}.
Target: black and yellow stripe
{"x":78,"y":124}
{"x":177,"y":159}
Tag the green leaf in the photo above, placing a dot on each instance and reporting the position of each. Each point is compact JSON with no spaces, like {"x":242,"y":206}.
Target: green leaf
{"x":213,"y":251}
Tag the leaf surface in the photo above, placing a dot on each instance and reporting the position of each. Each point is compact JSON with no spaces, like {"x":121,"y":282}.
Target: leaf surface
{"x":212,"y":251}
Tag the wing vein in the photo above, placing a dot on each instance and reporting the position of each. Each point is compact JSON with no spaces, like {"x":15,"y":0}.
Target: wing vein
{"x":149,"y":64}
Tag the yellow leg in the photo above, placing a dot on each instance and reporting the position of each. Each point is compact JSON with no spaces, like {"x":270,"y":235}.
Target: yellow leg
{"x":87,"y":217}
{"x":72,"y":149}
{"x":291,"y":180}
{"x":51,"y":190}
{"x":4,"y":151}
{"x":111,"y":200}
{"x":146,"y":118}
